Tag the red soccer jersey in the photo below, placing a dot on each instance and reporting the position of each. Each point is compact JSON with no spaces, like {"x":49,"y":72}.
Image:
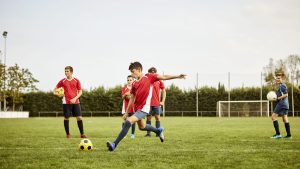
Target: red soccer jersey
{"x":125,"y":89}
{"x":142,"y":90}
{"x":71,"y":88}
{"x":157,"y":86}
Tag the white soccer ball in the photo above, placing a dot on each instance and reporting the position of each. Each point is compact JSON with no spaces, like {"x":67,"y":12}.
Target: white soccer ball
{"x":272,"y":96}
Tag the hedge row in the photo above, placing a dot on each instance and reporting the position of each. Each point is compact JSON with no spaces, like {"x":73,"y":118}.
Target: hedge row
{"x":101,"y":99}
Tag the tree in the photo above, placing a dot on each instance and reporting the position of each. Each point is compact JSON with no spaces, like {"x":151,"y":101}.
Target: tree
{"x":268,"y":73}
{"x":293,"y":67}
{"x":270,"y":70}
{"x":19,"y":80}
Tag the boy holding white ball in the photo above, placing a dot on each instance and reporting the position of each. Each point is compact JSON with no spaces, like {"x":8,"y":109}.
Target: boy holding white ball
{"x":282,"y":107}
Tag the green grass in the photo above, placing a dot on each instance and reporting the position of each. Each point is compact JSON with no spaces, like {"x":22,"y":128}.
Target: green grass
{"x":190,"y":143}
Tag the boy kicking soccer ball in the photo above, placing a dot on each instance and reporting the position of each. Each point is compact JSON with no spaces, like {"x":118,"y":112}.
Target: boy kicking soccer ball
{"x":282,"y":108}
{"x":141,"y":93}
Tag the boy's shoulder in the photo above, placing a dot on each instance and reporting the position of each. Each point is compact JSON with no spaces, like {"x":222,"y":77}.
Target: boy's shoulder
{"x":125,"y":88}
{"x":283,"y":85}
{"x":63,"y":79}
{"x":151,"y":75}
{"x":76,"y":79}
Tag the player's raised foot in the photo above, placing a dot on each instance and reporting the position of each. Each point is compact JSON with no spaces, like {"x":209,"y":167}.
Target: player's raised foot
{"x":161,"y":134}
{"x":288,"y":137}
{"x":83,"y":136}
{"x":132,"y":136}
{"x":276,"y":136}
{"x":111,"y":146}
{"x":68,"y":136}
{"x":148,"y":135}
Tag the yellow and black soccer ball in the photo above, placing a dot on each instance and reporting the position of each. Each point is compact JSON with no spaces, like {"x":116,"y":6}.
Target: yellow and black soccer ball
{"x":85,"y":145}
{"x":60,"y":92}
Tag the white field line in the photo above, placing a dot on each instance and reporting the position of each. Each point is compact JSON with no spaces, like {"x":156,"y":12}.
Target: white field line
{"x":174,"y":151}
{"x":31,"y":148}
{"x":281,"y":140}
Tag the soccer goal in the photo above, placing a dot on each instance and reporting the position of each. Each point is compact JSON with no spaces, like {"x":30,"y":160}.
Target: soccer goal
{"x":245,"y":108}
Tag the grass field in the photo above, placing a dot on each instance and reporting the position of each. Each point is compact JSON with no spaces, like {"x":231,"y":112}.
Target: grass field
{"x":190,"y":143}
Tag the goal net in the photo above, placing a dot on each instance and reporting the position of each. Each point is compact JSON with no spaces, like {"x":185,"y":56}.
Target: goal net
{"x":247,"y":108}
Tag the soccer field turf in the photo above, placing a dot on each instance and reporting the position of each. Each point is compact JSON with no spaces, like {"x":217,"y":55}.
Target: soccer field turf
{"x":190,"y":143}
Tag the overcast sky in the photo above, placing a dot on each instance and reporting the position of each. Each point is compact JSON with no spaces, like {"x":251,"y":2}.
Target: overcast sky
{"x":100,"y":38}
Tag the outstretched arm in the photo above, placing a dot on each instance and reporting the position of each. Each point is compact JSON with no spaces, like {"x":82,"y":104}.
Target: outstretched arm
{"x":169,"y":77}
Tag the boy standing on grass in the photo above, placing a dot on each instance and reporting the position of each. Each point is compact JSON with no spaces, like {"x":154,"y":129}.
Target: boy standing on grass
{"x":141,"y":93}
{"x":72,"y":92}
{"x":282,"y":108}
{"x":155,"y":108}
{"x":126,"y":97}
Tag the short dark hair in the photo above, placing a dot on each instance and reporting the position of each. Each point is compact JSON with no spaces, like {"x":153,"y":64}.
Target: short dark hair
{"x":70,"y":68}
{"x":280,"y":74}
{"x":152,"y":70}
{"x":129,"y":76}
{"x":135,"y":65}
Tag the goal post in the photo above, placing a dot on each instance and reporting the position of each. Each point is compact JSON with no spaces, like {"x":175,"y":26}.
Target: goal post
{"x":243,"y":108}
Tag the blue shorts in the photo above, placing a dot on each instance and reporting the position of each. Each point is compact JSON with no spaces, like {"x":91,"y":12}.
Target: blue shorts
{"x":155,"y":110}
{"x":140,"y":114}
{"x":281,"y":111}
{"x":73,"y":109}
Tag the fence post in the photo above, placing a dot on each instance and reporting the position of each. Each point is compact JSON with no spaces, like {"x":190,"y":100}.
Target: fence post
{"x":182,"y":114}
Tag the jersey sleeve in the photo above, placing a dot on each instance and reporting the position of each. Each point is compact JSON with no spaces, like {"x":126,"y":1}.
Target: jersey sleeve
{"x":161,"y":85}
{"x":60,"y":84}
{"x":78,"y":85}
{"x":123,"y":91}
{"x":152,"y":77}
{"x":283,"y":89}
{"x":133,"y":89}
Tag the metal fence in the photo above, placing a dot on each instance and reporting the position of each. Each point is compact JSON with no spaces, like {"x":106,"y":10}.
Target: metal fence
{"x":167,"y":113}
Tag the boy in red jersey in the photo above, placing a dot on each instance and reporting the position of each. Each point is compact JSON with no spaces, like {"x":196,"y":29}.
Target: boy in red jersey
{"x":72,"y":92}
{"x":126,"y":97}
{"x":155,"y":109}
{"x":141,"y":93}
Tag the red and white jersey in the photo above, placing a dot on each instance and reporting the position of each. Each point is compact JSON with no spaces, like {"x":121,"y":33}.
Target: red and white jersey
{"x":142,"y":90}
{"x":126,"y":89}
{"x":71,"y":88}
{"x":157,"y":86}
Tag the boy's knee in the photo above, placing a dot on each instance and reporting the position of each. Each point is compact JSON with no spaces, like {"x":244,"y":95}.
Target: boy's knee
{"x":149,"y":118}
{"x":157,"y":117}
{"x":273,"y":117}
{"x":285,"y":119}
{"x":127,"y":122}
